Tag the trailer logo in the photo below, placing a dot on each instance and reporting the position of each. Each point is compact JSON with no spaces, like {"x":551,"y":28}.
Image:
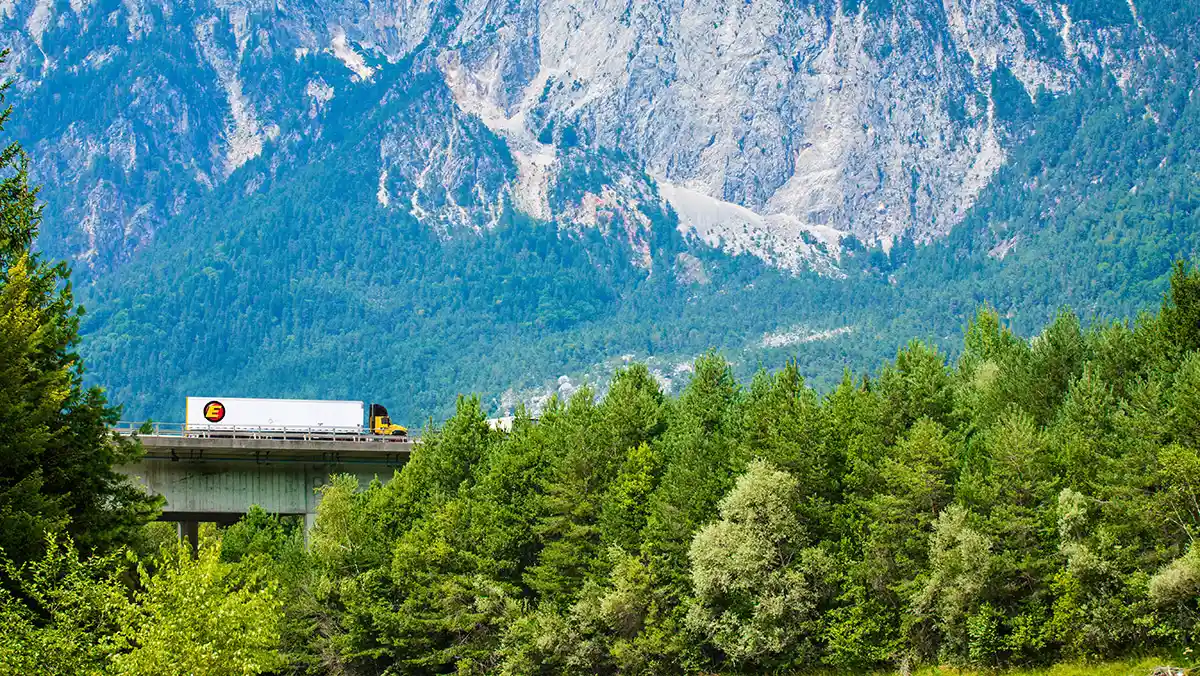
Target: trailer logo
{"x":214,"y":411}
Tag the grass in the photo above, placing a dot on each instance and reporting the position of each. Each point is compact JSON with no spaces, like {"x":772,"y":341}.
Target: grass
{"x":1139,"y":667}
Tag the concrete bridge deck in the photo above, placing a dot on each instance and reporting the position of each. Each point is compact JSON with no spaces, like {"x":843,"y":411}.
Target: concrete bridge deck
{"x":219,"y":478}
{"x":268,"y":450}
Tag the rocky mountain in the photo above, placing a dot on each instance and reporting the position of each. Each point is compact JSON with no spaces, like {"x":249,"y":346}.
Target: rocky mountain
{"x":336,"y":198}
{"x":770,"y":127}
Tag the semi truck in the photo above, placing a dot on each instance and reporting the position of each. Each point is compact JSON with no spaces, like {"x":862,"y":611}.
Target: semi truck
{"x":214,"y":415}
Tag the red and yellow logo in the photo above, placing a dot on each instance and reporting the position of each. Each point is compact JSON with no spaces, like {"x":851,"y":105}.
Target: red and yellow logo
{"x":214,"y":411}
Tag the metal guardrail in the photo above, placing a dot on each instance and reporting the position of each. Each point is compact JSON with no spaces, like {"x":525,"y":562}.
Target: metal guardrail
{"x":182,"y":430}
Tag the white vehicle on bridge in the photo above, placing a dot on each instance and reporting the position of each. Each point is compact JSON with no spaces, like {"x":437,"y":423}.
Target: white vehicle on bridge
{"x":266,"y":418}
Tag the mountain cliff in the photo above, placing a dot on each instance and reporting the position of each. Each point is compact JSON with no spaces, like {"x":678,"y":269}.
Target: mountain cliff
{"x":770,"y":127}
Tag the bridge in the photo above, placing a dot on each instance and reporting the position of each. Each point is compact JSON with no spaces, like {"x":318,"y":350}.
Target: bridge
{"x":216,"y":475}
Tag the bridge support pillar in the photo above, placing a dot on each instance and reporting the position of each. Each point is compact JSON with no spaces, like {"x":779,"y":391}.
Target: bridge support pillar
{"x":189,"y":531}
{"x":310,"y":520}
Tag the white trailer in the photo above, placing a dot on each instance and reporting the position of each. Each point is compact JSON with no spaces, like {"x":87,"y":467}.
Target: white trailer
{"x":214,"y":414}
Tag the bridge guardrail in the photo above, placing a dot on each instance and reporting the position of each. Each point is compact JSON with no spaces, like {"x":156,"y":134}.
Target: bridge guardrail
{"x":159,"y":429}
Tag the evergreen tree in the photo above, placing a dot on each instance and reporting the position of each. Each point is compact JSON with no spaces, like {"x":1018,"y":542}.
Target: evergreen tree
{"x":701,"y":460}
{"x":1055,"y":361}
{"x":1180,"y":317}
{"x":635,"y":413}
{"x":917,"y":385}
{"x":569,"y":526}
{"x":625,"y":506}
{"x":57,"y":452}
{"x":784,"y":425}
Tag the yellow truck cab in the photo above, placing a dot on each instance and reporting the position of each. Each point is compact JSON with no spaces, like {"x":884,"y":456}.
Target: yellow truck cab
{"x":382,"y":425}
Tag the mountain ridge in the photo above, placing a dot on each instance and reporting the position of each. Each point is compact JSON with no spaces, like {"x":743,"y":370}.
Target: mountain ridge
{"x":823,"y":119}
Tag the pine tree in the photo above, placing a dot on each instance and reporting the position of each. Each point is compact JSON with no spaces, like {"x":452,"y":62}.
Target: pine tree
{"x":702,"y":460}
{"x":57,"y":452}
{"x":1056,"y":360}
{"x":784,"y":425}
{"x":624,"y":508}
{"x":568,"y":525}
{"x":1180,"y":318}
{"x":634,"y":413}
{"x":915,"y":387}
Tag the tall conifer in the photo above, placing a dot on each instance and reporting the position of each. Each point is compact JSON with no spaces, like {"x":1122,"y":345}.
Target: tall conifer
{"x":57,"y":452}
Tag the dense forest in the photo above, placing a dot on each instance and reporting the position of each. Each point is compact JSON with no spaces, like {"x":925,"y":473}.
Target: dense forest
{"x":1027,"y":502}
{"x":1034,"y":501}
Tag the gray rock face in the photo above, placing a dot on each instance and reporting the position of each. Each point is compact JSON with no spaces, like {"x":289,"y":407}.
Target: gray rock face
{"x":770,"y":127}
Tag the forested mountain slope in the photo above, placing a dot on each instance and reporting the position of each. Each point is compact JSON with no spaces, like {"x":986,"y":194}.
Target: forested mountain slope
{"x":403,"y":203}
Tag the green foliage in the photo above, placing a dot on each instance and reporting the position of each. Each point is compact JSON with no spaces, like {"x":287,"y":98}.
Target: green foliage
{"x":178,"y":615}
{"x":1036,"y":501}
{"x":1175,"y":590}
{"x":61,"y":614}
{"x":758,"y":587}
{"x":624,"y":506}
{"x":953,"y":593}
{"x":200,"y":616}
{"x":258,"y":534}
{"x":569,"y":525}
{"x":702,"y":460}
